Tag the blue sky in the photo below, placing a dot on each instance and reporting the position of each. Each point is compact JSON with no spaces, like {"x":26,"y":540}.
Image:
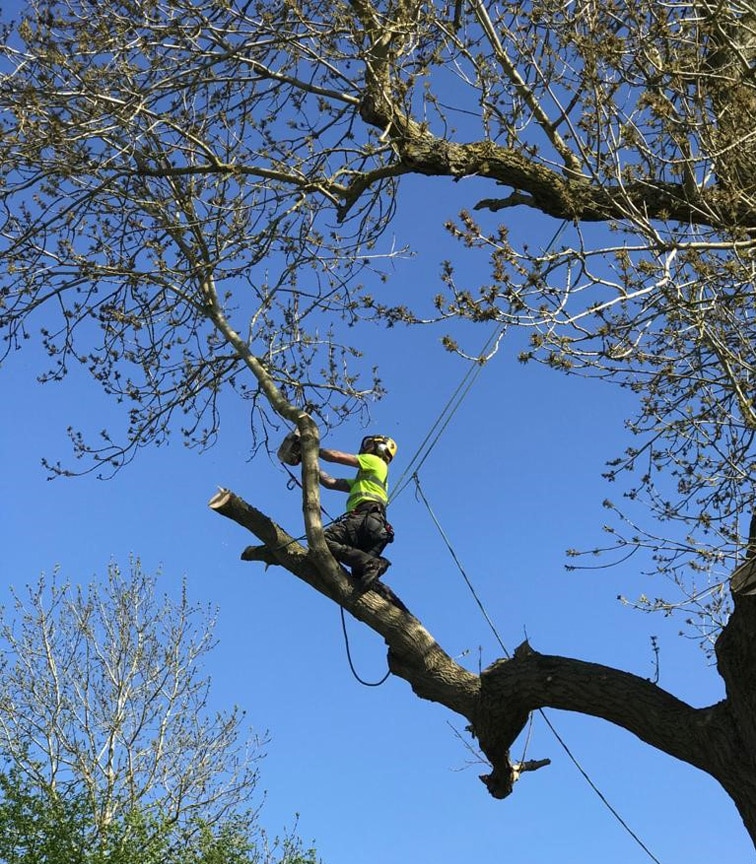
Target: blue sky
{"x":375,"y":774}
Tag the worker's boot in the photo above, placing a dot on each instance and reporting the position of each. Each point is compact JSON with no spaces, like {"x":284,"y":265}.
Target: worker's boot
{"x":372,"y":571}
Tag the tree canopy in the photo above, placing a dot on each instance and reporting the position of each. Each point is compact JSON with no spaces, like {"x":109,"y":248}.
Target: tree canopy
{"x":200,"y":188}
{"x":198,"y":196}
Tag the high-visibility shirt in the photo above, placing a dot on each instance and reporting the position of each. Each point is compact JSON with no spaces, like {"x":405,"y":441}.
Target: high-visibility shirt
{"x":371,"y":482}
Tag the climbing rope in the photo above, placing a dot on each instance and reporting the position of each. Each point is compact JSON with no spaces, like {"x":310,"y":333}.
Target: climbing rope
{"x":349,"y":657}
{"x":443,"y":420}
{"x":455,"y":400}
{"x":459,"y":564}
{"x":549,"y":724}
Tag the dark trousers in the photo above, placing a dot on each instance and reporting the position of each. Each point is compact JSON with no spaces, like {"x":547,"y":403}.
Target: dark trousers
{"x":358,"y":537}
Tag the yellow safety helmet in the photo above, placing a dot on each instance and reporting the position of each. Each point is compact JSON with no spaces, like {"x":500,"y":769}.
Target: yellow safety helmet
{"x":379,"y":445}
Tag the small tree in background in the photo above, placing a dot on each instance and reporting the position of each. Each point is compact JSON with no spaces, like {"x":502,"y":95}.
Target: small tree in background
{"x":40,"y":826}
{"x":111,"y":750}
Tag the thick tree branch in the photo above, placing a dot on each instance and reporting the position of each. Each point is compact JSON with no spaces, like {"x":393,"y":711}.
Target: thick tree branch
{"x":550,"y":192}
{"x":736,"y":663}
{"x":510,"y":689}
{"x":413,"y":653}
{"x":563,"y":197}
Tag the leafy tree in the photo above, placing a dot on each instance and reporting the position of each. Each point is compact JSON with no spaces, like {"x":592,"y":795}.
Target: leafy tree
{"x":200,"y":192}
{"x":112,"y":752}
{"x":101,"y":687}
{"x":43,"y":826}
{"x":35,"y":828}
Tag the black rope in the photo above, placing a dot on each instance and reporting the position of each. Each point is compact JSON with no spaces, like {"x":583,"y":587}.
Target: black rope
{"x":349,"y":657}
{"x":541,"y":711}
{"x":455,"y":401}
{"x":461,"y":569}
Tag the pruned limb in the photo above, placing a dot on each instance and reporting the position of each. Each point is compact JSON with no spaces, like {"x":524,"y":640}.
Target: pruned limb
{"x":495,"y":204}
{"x":529,"y":765}
{"x":500,"y":782}
{"x":413,"y":653}
{"x":280,"y":547}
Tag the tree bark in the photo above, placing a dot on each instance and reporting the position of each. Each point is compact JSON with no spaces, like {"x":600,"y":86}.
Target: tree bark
{"x":553,"y":193}
{"x":719,"y":739}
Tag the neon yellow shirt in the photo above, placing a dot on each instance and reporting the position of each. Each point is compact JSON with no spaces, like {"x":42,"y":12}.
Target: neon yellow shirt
{"x":371,"y":482}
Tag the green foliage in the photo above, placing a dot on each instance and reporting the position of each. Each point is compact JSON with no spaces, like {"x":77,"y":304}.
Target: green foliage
{"x":41,"y":826}
{"x":37,"y":828}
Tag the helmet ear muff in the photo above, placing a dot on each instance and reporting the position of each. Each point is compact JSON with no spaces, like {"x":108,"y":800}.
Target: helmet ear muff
{"x":379,"y":445}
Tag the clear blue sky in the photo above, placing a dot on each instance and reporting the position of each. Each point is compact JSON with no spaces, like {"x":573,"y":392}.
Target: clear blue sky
{"x":375,"y":774}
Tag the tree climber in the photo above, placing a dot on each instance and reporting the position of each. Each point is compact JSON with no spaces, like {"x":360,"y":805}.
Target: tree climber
{"x":358,"y":538}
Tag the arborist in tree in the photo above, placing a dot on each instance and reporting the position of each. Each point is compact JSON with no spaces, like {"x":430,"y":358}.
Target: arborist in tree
{"x":358,"y":538}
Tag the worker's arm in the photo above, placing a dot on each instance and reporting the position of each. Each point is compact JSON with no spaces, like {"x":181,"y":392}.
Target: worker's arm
{"x":336,"y":483}
{"x":342,"y":458}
